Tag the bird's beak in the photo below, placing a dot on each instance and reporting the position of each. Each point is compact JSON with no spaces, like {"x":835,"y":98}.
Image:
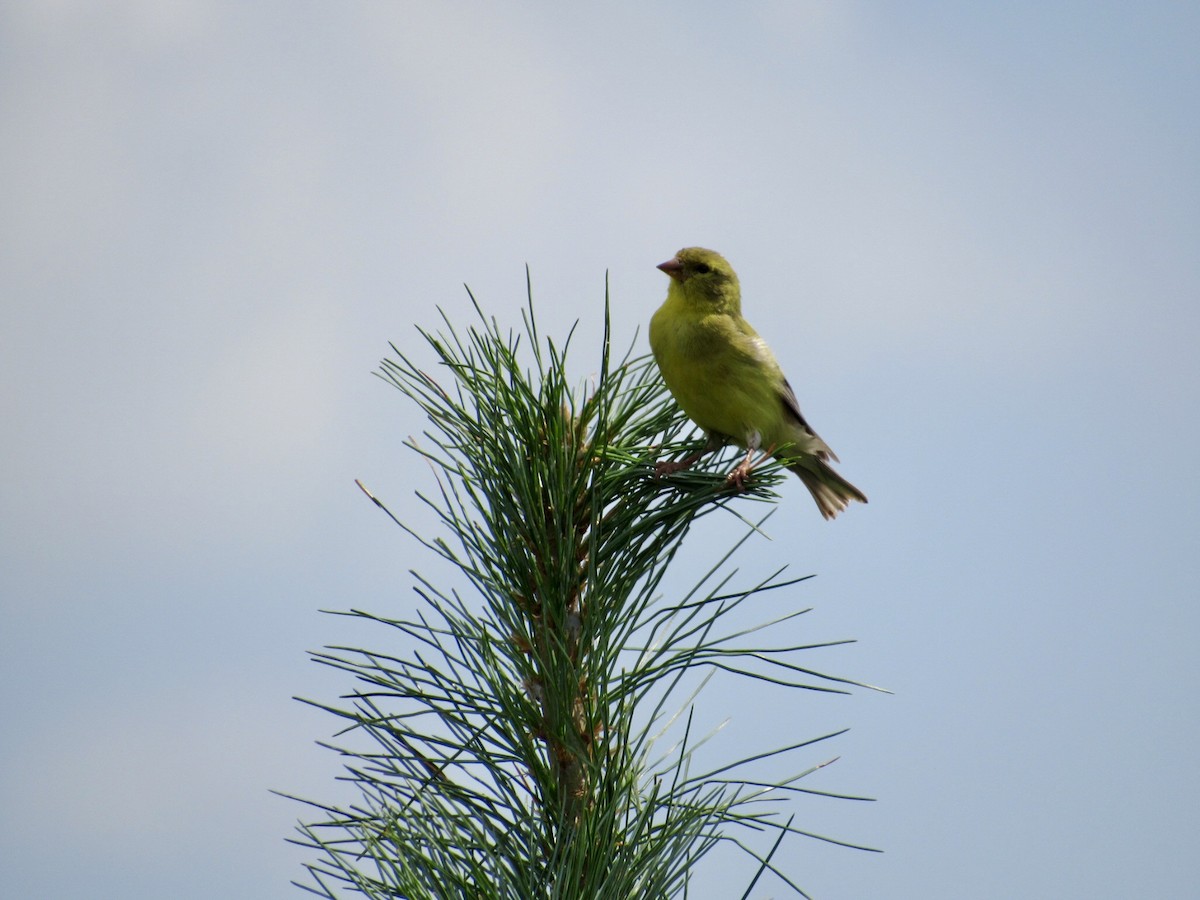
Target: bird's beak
{"x":674,"y":268}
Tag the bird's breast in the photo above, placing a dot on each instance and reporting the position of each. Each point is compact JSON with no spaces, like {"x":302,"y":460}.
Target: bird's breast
{"x":721,"y":387}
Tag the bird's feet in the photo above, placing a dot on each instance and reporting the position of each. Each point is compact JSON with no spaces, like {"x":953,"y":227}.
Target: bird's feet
{"x":663,"y":469}
{"x":737,"y":478}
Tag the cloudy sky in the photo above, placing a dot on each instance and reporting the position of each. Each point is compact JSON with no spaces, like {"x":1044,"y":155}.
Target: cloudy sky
{"x":969,"y":230}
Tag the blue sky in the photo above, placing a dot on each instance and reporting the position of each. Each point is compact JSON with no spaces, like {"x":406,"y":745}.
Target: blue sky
{"x":969,"y":232}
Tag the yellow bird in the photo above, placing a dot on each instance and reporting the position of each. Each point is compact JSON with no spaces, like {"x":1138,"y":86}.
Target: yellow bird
{"x":725,"y":377}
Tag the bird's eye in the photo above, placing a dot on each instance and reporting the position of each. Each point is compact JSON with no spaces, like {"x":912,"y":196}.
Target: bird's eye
{"x":703,"y":268}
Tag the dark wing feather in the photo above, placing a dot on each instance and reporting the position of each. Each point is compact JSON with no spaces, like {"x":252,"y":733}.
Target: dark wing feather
{"x":756,"y":348}
{"x":792,"y":406}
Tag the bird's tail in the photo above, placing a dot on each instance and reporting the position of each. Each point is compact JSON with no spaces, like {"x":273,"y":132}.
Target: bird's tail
{"x":832,"y":492}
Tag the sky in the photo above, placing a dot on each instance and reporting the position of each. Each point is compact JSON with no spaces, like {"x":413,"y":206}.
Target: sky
{"x":969,"y":232}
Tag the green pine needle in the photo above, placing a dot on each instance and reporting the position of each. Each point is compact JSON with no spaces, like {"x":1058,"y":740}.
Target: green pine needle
{"x":527,"y":739}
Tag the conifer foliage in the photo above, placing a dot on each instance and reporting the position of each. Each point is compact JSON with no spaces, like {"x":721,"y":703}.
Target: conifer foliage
{"x":527,"y":732}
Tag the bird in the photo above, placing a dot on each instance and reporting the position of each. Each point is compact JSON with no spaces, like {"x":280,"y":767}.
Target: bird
{"x":727,"y":380}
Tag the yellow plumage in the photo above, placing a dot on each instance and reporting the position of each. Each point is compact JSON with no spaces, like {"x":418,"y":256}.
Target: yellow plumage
{"x":725,"y":377}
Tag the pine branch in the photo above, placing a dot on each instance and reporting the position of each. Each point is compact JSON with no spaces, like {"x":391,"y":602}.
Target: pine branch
{"x":510,"y":752}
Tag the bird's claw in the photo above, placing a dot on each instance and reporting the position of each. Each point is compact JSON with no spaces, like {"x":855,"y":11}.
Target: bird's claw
{"x":737,"y":478}
{"x":663,"y":469}
{"x":671,"y":467}
{"x":742,"y":471}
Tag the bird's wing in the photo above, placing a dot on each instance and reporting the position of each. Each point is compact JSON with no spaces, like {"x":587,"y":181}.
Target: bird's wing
{"x":791,"y":407}
{"x":753,"y":345}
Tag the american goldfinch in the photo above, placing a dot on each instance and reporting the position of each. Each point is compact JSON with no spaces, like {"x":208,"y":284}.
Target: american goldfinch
{"x":726,"y":379}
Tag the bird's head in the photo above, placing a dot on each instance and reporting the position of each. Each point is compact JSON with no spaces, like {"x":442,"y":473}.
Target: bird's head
{"x":704,"y":278}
